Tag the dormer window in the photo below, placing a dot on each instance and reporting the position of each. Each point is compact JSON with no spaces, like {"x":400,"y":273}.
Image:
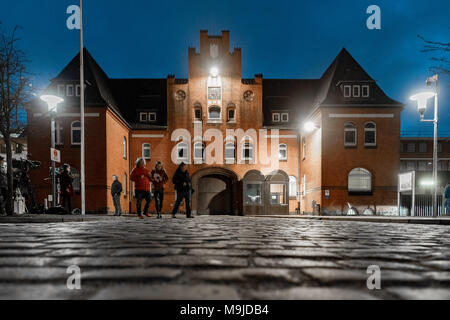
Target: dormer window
{"x":365,"y":91}
{"x":61,"y":90}
{"x":347,"y":91}
{"x":275,"y":117}
{"x":356,"y":91}
{"x":152,"y":117}
{"x":78,"y":90}
{"x":143,"y":116}
{"x":147,"y":116}
{"x":285,"y":117}
{"x":70,"y":90}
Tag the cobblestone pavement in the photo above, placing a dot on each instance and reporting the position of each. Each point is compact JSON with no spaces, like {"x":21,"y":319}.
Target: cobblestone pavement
{"x":224,"y":258}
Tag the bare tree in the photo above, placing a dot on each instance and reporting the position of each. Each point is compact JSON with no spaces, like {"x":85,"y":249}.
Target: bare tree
{"x":442,"y":51}
{"x":14,"y":92}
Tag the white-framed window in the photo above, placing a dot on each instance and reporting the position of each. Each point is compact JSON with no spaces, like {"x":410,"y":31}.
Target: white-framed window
{"x":214,"y":113}
{"x":70,"y":90}
{"x":275,"y":117}
{"x":78,"y":90}
{"x":182,"y":151}
{"x":230,"y":152}
{"x":356,"y":91}
{"x":423,"y":147}
{"x":282,"y":152}
{"x":347,"y":91}
{"x":124,"y":147}
{"x":146,"y":151}
{"x":125,"y":184}
{"x":152,"y":116}
{"x":285,"y":117}
{"x":350,"y":134}
{"x":292,"y":187}
{"x":199,"y":152}
{"x":370,"y":134}
{"x":143,"y":116}
{"x":360,"y":180}
{"x":59,"y":134}
{"x":214,"y":93}
{"x":247,"y":151}
{"x":61,"y":90}
{"x":76,"y":133}
{"x":365,"y":91}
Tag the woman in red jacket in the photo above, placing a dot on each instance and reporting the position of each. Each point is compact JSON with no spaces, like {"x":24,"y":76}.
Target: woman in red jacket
{"x":141,"y":178}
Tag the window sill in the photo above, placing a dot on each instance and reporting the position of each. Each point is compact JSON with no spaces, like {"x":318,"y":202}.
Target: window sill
{"x":370,"y":146}
{"x":348,"y":146}
{"x":231,"y":122}
{"x":214,"y":122}
{"x":230,"y":161}
{"x":197,"y":122}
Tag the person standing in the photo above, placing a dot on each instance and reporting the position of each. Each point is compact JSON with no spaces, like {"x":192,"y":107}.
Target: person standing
{"x":159,"y":179}
{"x":141,"y":178}
{"x":3,"y":187}
{"x":183,"y":187}
{"x":65,"y":182}
{"x":116,"y":192}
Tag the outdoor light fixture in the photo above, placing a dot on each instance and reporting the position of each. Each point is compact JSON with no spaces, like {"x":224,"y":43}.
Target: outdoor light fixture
{"x":422,"y":99}
{"x":310,"y":126}
{"x":52,"y":101}
{"x":427,"y":183}
{"x":214,"y":72}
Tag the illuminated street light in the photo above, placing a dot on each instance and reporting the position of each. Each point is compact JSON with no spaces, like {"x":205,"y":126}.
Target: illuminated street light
{"x":310,"y":126}
{"x":427,"y":183}
{"x":422,"y":99}
{"x":52,"y":102}
{"x":214,"y":72}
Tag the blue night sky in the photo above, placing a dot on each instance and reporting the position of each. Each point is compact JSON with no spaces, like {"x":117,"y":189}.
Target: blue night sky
{"x":280,"y":39}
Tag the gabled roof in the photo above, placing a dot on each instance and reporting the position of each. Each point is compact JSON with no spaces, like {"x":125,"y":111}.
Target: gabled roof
{"x":303,"y":96}
{"x":345,"y":68}
{"x":123,"y":96}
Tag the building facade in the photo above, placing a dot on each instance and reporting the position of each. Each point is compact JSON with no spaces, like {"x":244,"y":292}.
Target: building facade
{"x":254,"y":146}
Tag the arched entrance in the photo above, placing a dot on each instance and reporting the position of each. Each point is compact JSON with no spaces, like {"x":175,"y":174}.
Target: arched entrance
{"x":215,"y":192}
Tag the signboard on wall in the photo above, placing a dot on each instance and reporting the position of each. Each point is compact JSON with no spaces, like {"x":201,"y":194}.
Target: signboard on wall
{"x":406,"y":181}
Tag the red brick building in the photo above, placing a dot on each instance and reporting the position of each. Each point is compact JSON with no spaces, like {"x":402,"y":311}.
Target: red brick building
{"x":245,"y":139}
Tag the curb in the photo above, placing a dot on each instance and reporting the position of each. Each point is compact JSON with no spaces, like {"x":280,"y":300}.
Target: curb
{"x":403,"y":220}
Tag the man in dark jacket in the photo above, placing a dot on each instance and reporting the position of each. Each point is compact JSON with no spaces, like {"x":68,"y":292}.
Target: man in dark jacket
{"x":183,"y":187}
{"x":116,"y":191}
{"x":3,"y":187}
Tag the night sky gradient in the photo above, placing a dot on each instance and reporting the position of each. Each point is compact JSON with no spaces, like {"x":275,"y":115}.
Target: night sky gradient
{"x":280,"y":39}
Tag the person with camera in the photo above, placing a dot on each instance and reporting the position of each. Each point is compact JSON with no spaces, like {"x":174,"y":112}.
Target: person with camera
{"x":3,"y":187}
{"x":65,"y":182}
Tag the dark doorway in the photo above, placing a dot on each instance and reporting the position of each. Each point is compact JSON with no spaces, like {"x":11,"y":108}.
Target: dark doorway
{"x":215,"y":192}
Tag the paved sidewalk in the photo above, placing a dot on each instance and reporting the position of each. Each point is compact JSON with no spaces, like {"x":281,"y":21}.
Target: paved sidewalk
{"x":224,"y":258}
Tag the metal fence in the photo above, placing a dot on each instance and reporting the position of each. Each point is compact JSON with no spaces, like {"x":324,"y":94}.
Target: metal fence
{"x":424,"y":205}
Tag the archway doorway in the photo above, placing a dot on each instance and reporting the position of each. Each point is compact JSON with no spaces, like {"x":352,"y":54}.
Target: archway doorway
{"x":215,"y":192}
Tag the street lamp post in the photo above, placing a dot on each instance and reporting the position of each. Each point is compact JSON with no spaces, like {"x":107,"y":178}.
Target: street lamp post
{"x":422,"y":99}
{"x":52,"y":102}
